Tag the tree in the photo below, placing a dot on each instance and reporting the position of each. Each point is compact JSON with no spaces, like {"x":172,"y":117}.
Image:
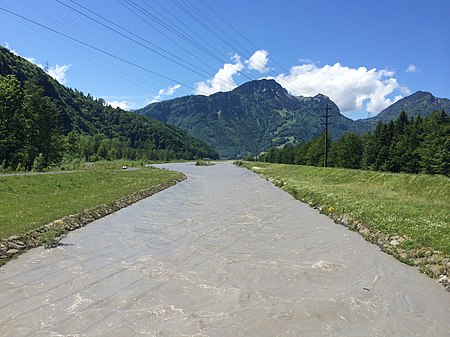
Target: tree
{"x":270,"y":155}
{"x":43,"y":129}
{"x":404,"y":156}
{"x":11,"y":119}
{"x":435,"y":148}
{"x":347,"y":152}
{"x":72,"y":145}
{"x":39,"y":163}
{"x":315,"y":153}
{"x":383,"y":139}
{"x":300,"y":154}
{"x":370,"y":151}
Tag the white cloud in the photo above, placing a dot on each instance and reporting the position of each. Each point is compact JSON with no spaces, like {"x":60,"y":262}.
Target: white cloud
{"x":34,"y":61}
{"x":352,"y":89}
{"x":165,"y":92}
{"x":59,"y":72}
{"x":125,"y":105}
{"x":11,"y":50}
{"x":412,"y":69}
{"x":258,"y":61}
{"x":303,"y":61}
{"x":405,"y":91}
{"x":223,"y":79}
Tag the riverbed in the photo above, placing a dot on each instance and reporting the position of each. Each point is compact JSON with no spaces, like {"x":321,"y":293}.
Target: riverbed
{"x":224,"y":253}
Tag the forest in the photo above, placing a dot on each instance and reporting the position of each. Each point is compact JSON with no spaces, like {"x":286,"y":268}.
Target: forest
{"x":33,"y":134}
{"x":43,"y":123}
{"x":416,"y":145}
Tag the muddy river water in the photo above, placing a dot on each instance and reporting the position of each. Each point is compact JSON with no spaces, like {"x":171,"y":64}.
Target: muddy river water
{"x":224,"y":253}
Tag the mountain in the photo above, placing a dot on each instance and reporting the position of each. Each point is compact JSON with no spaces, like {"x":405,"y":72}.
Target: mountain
{"x":251,"y":118}
{"x":41,"y":116}
{"x":420,"y":103}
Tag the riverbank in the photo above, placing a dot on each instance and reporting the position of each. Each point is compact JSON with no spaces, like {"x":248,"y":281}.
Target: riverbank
{"x":223,"y":251}
{"x":405,"y":215}
{"x":39,"y":210}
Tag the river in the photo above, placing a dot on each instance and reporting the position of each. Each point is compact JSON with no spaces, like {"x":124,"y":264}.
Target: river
{"x":224,"y":253}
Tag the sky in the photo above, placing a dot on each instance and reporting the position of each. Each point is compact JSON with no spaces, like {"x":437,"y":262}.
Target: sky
{"x":364,"y":55}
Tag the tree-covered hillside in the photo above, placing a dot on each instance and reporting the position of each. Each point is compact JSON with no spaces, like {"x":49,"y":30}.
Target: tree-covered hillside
{"x":412,"y":145}
{"x":43,"y":121}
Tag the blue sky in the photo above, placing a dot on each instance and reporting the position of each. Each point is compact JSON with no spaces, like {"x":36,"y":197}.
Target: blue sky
{"x":364,"y":55}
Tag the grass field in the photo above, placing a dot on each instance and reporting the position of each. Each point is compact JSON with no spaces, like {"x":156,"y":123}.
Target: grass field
{"x":28,"y":202}
{"x":413,"y":206}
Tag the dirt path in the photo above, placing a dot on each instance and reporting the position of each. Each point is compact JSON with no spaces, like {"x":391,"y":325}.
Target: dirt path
{"x":33,"y":173}
{"x":54,"y":172}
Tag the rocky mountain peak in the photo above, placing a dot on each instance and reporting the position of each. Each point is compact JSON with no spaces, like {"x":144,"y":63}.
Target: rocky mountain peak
{"x":419,"y":95}
{"x":263,"y":86}
{"x":420,"y":103}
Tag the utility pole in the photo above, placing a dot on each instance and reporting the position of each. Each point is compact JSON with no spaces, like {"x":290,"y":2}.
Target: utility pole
{"x":325,"y":157}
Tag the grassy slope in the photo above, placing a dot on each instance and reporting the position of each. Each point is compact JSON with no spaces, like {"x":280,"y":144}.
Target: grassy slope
{"x":413,"y":206}
{"x":28,"y":202}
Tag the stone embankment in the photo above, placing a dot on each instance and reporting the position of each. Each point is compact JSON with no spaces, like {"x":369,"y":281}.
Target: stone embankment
{"x":432,"y":263}
{"x":49,"y":235}
{"x":429,"y":262}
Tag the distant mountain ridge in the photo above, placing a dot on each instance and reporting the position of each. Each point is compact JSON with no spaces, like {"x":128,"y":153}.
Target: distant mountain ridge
{"x":261,"y":114}
{"x":419,"y":103}
{"x":251,"y":118}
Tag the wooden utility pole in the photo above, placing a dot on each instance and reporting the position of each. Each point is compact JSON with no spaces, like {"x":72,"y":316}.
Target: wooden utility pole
{"x":325,"y":159}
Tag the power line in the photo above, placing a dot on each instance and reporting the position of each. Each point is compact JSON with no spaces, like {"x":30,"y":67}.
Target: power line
{"x":211,"y":9}
{"x":171,"y":39}
{"x":203,"y":73}
{"x":196,"y":19}
{"x":73,"y":27}
{"x":197,"y":15}
{"x":172,"y":28}
{"x":228,"y":24}
{"x":174,"y":59}
{"x":95,"y":48}
{"x":193,"y":11}
{"x":210,"y":45}
{"x":238,"y":32}
{"x":203,"y":20}
{"x":105,"y":62}
{"x":190,"y":4}
{"x":189,"y":39}
{"x":141,"y":15}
